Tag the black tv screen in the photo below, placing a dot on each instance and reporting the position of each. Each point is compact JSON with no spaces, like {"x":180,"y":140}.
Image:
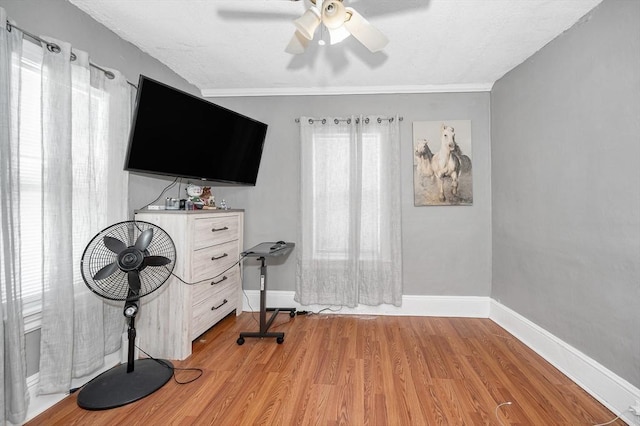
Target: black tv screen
{"x":177,"y":134}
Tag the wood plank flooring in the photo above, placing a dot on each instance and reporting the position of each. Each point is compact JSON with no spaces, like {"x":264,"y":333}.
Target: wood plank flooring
{"x":356,"y":370}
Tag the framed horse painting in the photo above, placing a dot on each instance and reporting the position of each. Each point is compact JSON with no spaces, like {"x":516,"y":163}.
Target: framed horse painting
{"x":442,"y":163}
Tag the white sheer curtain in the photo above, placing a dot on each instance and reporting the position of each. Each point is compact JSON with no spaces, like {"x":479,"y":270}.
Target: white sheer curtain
{"x":350,"y":248}
{"x":15,"y":397}
{"x":85,"y":123}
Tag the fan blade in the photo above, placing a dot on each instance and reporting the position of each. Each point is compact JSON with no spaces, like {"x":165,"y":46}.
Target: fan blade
{"x":371,"y":37}
{"x":336,"y":35}
{"x":156,"y":261}
{"x":298,"y":44}
{"x":114,"y":244}
{"x":134,"y":281}
{"x":144,"y":239}
{"x":106,"y":271}
{"x":308,"y":22}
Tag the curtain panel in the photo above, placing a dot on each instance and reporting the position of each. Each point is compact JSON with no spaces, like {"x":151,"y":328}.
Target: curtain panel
{"x":350,"y":218}
{"x":15,"y":397}
{"x":85,"y":118}
{"x":85,"y":121}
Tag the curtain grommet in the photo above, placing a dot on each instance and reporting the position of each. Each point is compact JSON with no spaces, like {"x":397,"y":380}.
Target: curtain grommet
{"x":53,"y":48}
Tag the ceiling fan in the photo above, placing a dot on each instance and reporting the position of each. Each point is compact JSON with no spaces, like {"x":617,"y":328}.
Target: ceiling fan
{"x":340,"y":22}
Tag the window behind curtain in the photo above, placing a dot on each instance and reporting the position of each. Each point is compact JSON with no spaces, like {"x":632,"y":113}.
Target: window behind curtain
{"x":350,"y":248}
{"x":31,"y":184}
{"x":31,"y":237}
{"x":332,"y":168}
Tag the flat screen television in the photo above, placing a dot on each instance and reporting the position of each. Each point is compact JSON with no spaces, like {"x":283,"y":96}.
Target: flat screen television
{"x":177,"y":134}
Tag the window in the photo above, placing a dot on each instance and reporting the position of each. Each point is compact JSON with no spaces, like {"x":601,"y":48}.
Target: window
{"x":30,"y":185}
{"x":349,"y":249}
{"x":332,"y":176}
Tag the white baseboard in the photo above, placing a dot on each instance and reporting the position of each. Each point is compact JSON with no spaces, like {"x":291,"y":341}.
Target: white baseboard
{"x":612,"y":391}
{"x":427,"y":306}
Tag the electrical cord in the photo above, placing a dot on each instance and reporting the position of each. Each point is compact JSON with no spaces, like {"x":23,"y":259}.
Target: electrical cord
{"x":171,"y":185}
{"x":498,"y":407}
{"x":211,"y":278}
{"x":159,"y":361}
{"x":599,"y":424}
{"x":200,"y":371}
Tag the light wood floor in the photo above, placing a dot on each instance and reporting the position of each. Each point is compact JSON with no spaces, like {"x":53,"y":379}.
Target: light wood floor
{"x":357,"y":370}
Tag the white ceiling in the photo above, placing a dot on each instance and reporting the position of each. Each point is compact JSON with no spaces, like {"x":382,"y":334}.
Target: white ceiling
{"x":236,"y":47}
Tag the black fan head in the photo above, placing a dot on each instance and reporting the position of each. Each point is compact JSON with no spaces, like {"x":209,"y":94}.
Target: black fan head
{"x":128,"y":260}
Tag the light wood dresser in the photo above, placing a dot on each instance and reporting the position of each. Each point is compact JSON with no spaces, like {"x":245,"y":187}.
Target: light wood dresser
{"x":208,"y":242}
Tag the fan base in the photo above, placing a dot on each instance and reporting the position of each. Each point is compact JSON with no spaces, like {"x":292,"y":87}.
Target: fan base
{"x":115,"y":387}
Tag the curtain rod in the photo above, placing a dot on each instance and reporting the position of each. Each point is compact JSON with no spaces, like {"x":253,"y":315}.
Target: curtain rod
{"x":56,"y":49}
{"x":348,"y":120}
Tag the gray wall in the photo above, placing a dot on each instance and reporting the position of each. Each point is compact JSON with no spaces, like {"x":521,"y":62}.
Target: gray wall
{"x":446,"y":250}
{"x":566,"y":187}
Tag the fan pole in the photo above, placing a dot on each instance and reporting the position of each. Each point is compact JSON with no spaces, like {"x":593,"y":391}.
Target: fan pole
{"x":132,"y":344}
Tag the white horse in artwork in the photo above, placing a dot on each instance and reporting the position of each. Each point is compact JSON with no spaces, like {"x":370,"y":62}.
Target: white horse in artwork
{"x":446,"y":163}
{"x":424,"y":155}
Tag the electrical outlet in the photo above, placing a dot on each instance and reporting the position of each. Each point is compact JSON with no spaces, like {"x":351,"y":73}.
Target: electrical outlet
{"x":635,"y":408}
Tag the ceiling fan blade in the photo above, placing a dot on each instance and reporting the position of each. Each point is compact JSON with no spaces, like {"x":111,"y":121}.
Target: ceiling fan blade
{"x":114,"y":244}
{"x":144,"y":239}
{"x":336,"y":35}
{"x":298,"y":44}
{"x":134,"y":281}
{"x":106,"y":271}
{"x":156,"y":261}
{"x":308,"y":22}
{"x":371,"y":37}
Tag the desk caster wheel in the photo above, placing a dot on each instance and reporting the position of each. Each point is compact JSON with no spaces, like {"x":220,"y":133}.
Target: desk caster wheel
{"x":292,"y":314}
{"x":240,"y":341}
{"x":279,"y":340}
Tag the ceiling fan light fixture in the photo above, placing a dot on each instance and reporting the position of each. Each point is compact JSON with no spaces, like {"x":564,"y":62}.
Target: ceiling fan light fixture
{"x":371,"y":37}
{"x":333,"y":14}
{"x":308,"y":22}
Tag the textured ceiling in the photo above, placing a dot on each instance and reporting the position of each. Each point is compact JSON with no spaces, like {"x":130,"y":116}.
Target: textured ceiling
{"x":236,"y":47}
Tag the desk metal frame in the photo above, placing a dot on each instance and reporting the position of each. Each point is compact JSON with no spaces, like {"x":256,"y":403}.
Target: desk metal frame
{"x":262,"y":251}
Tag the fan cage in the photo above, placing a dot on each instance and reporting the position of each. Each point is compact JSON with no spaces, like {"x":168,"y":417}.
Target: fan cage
{"x":116,"y":286}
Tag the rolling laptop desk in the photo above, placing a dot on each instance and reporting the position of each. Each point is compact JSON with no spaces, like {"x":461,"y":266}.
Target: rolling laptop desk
{"x":262,"y":251}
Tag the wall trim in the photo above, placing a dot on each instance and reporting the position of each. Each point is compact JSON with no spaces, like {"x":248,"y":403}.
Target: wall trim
{"x":611,"y":390}
{"x":346,"y":90}
{"x":430,"y":306}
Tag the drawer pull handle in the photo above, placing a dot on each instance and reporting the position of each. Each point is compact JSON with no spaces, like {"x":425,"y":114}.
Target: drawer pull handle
{"x":219,"y":229}
{"x":220,"y":305}
{"x":214,"y":282}
{"x":219,"y":257}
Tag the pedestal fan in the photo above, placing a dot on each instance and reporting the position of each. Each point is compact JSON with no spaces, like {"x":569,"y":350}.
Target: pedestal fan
{"x":125,"y":262}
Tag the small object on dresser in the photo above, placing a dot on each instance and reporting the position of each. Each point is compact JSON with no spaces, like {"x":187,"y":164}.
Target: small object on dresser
{"x":223,"y":205}
{"x":171,"y":203}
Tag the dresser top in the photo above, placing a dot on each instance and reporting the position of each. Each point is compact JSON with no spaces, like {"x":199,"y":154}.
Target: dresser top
{"x":190,"y":212}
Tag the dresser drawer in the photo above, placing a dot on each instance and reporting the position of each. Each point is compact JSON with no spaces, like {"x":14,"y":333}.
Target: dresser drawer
{"x":215,"y":230}
{"x":211,"y":261}
{"x":209,"y":288}
{"x":212,"y":309}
